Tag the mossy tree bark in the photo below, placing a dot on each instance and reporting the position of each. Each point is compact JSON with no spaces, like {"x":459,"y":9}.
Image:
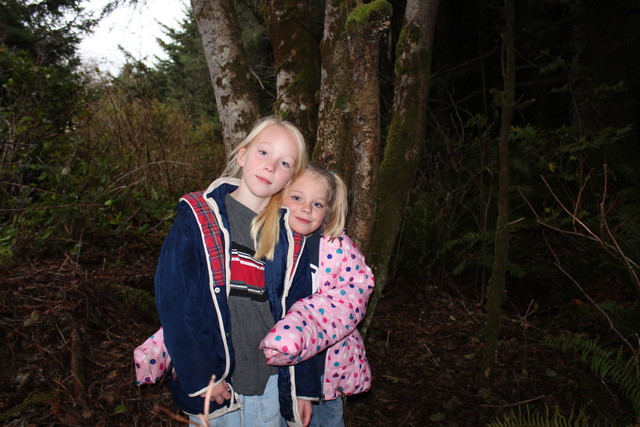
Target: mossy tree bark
{"x":405,"y":138}
{"x":297,"y":63}
{"x":364,"y":25}
{"x":233,"y":85}
{"x":334,"y":111}
{"x":497,"y":286}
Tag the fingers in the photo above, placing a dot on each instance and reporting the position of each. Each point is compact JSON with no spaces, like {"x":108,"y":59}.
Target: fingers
{"x":305,"y":410}
{"x":219,"y":398}
{"x":219,"y":393}
{"x":225,"y":395}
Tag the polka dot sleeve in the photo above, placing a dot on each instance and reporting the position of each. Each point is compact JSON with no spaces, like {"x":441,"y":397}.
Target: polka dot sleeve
{"x":328,"y":316}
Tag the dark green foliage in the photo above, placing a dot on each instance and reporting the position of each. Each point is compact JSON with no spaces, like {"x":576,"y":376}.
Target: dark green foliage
{"x":528,"y":417}
{"x":48,"y":31}
{"x":627,"y":219}
{"x":453,"y":204}
{"x":625,"y":317}
{"x":41,"y":97}
{"x":39,"y":111}
{"x":141,"y":300}
{"x":612,"y":365}
{"x":39,"y":105}
{"x":184,"y":76}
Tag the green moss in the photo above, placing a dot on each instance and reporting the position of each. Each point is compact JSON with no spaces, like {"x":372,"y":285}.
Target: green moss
{"x":6,"y":258}
{"x":408,"y":36}
{"x":370,"y":14}
{"x":341,"y":102}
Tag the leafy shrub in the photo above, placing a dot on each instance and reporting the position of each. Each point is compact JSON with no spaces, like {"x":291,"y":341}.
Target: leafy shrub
{"x":92,"y":165}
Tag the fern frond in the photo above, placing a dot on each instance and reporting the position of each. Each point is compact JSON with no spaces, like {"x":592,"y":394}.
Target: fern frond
{"x":139,"y":299}
{"x":534,"y":418}
{"x":607,"y":364}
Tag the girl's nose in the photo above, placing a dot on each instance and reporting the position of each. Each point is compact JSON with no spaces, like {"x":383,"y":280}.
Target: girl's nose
{"x":306,"y":207}
{"x":269,"y":166}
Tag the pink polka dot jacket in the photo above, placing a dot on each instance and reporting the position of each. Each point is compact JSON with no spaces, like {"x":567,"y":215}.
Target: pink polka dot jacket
{"x":328,"y":320}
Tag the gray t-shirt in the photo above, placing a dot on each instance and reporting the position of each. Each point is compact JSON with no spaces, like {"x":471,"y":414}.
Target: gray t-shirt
{"x":251,"y":317}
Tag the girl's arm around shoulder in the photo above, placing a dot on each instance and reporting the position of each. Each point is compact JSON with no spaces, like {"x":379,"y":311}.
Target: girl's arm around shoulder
{"x":333,"y":312}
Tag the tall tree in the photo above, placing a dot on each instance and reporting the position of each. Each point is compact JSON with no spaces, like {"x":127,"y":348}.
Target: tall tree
{"x":334,"y":111}
{"x":231,"y":76}
{"x":406,"y":136}
{"x":364,"y":25}
{"x":496,"y":289}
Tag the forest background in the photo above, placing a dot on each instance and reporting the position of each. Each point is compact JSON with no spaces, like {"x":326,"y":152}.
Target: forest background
{"x":491,"y":151}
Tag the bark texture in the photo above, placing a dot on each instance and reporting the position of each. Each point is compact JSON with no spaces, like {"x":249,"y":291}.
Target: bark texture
{"x":364,"y":26}
{"x":496,"y":289}
{"x":405,"y":139}
{"x":297,"y":63}
{"x":334,"y":112}
{"x":231,"y":77}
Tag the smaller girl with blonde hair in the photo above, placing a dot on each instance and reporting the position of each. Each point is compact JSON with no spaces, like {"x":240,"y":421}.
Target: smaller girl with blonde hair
{"x":325,"y":323}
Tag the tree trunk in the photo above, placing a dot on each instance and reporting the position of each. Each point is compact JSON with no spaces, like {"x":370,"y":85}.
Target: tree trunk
{"x":496,"y":290}
{"x":334,"y":112}
{"x":233,"y":85}
{"x":297,"y":63}
{"x":364,"y":25}
{"x":405,"y":139}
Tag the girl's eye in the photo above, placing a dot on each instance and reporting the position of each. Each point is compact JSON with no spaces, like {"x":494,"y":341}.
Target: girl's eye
{"x":296,"y":198}
{"x":318,"y":205}
{"x":285,"y":164}
{"x":262,"y":152}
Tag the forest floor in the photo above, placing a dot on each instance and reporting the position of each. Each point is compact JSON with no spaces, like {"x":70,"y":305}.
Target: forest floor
{"x":68,"y":330}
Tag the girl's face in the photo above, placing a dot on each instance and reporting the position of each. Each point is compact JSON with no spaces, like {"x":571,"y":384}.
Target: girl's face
{"x":307,"y":200}
{"x":267,"y":163}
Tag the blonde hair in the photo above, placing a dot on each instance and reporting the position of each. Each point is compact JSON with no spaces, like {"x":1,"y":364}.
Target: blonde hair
{"x":234,"y":170}
{"x":334,"y":220}
{"x":337,"y":205}
{"x":265,"y":228}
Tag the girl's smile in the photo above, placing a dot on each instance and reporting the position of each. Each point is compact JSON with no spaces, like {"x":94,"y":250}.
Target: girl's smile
{"x":307,"y":200}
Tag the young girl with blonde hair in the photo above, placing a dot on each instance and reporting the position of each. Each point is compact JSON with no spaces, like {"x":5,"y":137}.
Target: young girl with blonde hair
{"x":326,"y":322}
{"x":216,"y":299}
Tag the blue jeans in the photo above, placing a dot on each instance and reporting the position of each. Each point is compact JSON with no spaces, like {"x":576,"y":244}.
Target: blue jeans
{"x":329,"y":413}
{"x":256,"y":411}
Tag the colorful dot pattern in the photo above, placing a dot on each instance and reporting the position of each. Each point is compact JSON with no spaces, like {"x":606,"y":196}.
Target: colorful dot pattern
{"x":151,"y":359}
{"x":329,"y":319}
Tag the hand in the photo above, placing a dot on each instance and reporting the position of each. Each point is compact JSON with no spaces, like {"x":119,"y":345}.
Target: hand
{"x":277,"y":358}
{"x":219,"y":393}
{"x":270,"y":353}
{"x":305,"y":409}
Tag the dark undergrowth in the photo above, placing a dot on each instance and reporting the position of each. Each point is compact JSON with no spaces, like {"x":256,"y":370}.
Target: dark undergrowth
{"x":68,"y":330}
